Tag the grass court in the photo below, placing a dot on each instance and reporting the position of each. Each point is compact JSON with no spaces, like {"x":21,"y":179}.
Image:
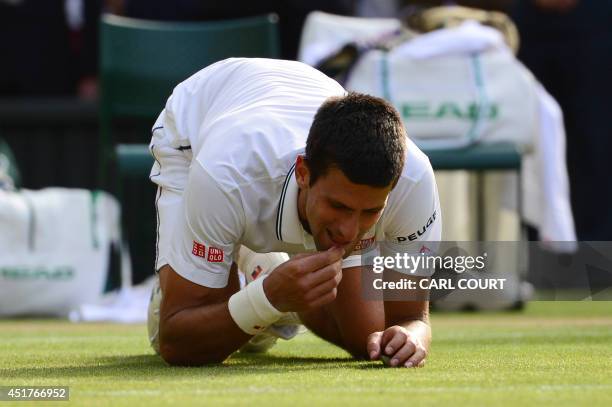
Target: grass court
{"x":552,"y":353}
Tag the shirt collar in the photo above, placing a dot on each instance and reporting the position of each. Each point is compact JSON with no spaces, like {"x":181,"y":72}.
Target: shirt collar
{"x":288,"y":226}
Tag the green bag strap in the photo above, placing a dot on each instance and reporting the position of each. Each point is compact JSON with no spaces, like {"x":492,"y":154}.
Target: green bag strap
{"x":94,"y":196}
{"x":32,"y":222}
{"x":384,"y":76}
{"x":483,"y":104}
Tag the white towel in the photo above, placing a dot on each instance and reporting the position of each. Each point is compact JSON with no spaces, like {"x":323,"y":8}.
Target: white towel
{"x":127,"y":306}
{"x":545,"y":181}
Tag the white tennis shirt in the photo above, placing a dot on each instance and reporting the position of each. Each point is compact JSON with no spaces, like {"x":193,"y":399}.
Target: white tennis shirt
{"x":246,"y":121}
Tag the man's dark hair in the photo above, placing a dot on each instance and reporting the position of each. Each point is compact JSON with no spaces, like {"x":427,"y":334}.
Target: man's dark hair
{"x":361,"y":135}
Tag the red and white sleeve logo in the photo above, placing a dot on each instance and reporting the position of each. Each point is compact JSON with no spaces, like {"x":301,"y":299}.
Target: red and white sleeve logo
{"x":215,"y":255}
{"x":198,"y":249}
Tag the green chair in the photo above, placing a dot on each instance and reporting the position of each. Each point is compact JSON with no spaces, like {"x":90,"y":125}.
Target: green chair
{"x":480,"y":158}
{"x":141,"y":61}
{"x":135,"y":160}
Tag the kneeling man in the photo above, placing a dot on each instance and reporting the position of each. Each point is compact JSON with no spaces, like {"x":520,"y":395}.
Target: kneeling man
{"x":268,"y":156}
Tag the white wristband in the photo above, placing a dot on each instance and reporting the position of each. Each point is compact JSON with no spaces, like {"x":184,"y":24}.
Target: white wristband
{"x":251,"y":309}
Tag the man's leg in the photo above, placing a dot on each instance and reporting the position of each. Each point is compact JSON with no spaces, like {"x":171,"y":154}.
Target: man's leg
{"x":169,"y":172}
{"x":153,"y":316}
{"x":168,"y":204}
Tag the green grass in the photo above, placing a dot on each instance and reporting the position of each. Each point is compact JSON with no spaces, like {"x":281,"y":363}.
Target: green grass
{"x":554,"y":353}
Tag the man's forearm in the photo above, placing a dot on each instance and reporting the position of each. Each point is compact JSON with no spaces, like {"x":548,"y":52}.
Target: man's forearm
{"x":350,"y":319}
{"x":200,"y":335}
{"x":321,"y":323}
{"x":408,"y":324}
{"x":324,"y":324}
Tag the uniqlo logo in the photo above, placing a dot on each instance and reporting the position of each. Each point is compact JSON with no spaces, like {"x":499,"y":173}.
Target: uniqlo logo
{"x":198,"y":249}
{"x":215,"y":255}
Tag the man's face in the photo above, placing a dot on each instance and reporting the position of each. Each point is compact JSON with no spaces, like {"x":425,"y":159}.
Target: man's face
{"x":336,"y":211}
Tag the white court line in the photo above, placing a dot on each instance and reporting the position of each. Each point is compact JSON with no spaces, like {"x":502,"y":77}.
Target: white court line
{"x":479,"y":335}
{"x":428,"y":389}
{"x":518,"y":335}
{"x":60,"y":339}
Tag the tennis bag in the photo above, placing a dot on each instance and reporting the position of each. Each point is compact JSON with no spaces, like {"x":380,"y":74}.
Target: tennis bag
{"x":55,"y":247}
{"x":453,"y":101}
{"x":453,"y":86}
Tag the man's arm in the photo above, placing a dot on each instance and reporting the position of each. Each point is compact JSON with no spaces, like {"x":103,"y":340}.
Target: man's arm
{"x":196,"y":326}
{"x":364,"y":327}
{"x":407,"y":337}
{"x":414,"y":228}
{"x":350,"y":319}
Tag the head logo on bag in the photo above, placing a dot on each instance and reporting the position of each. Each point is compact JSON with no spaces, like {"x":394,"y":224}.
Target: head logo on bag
{"x":447,"y":110}
{"x":38,"y":273}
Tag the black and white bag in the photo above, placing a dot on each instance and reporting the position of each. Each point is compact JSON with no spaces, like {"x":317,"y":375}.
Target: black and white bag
{"x":453,"y":86}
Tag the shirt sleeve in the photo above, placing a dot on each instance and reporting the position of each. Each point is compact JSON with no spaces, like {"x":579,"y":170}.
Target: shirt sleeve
{"x":207,"y":236}
{"x":413,"y":224}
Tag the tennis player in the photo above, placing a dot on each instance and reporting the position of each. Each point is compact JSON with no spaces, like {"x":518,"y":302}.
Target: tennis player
{"x":255,"y":158}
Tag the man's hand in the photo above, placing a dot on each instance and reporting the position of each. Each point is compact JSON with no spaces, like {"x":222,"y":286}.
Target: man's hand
{"x":306,"y":281}
{"x":400,"y":345}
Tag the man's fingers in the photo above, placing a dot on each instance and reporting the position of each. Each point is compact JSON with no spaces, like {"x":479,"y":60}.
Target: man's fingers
{"x":321,"y":259}
{"x":301,"y":256}
{"x":403,"y":353}
{"x":324,"y":299}
{"x":397,"y":340}
{"x":329,"y":272}
{"x":402,"y":348}
{"x":417,"y":359}
{"x":373,"y":346}
{"x":323,"y":288}
{"x":389,"y":333}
